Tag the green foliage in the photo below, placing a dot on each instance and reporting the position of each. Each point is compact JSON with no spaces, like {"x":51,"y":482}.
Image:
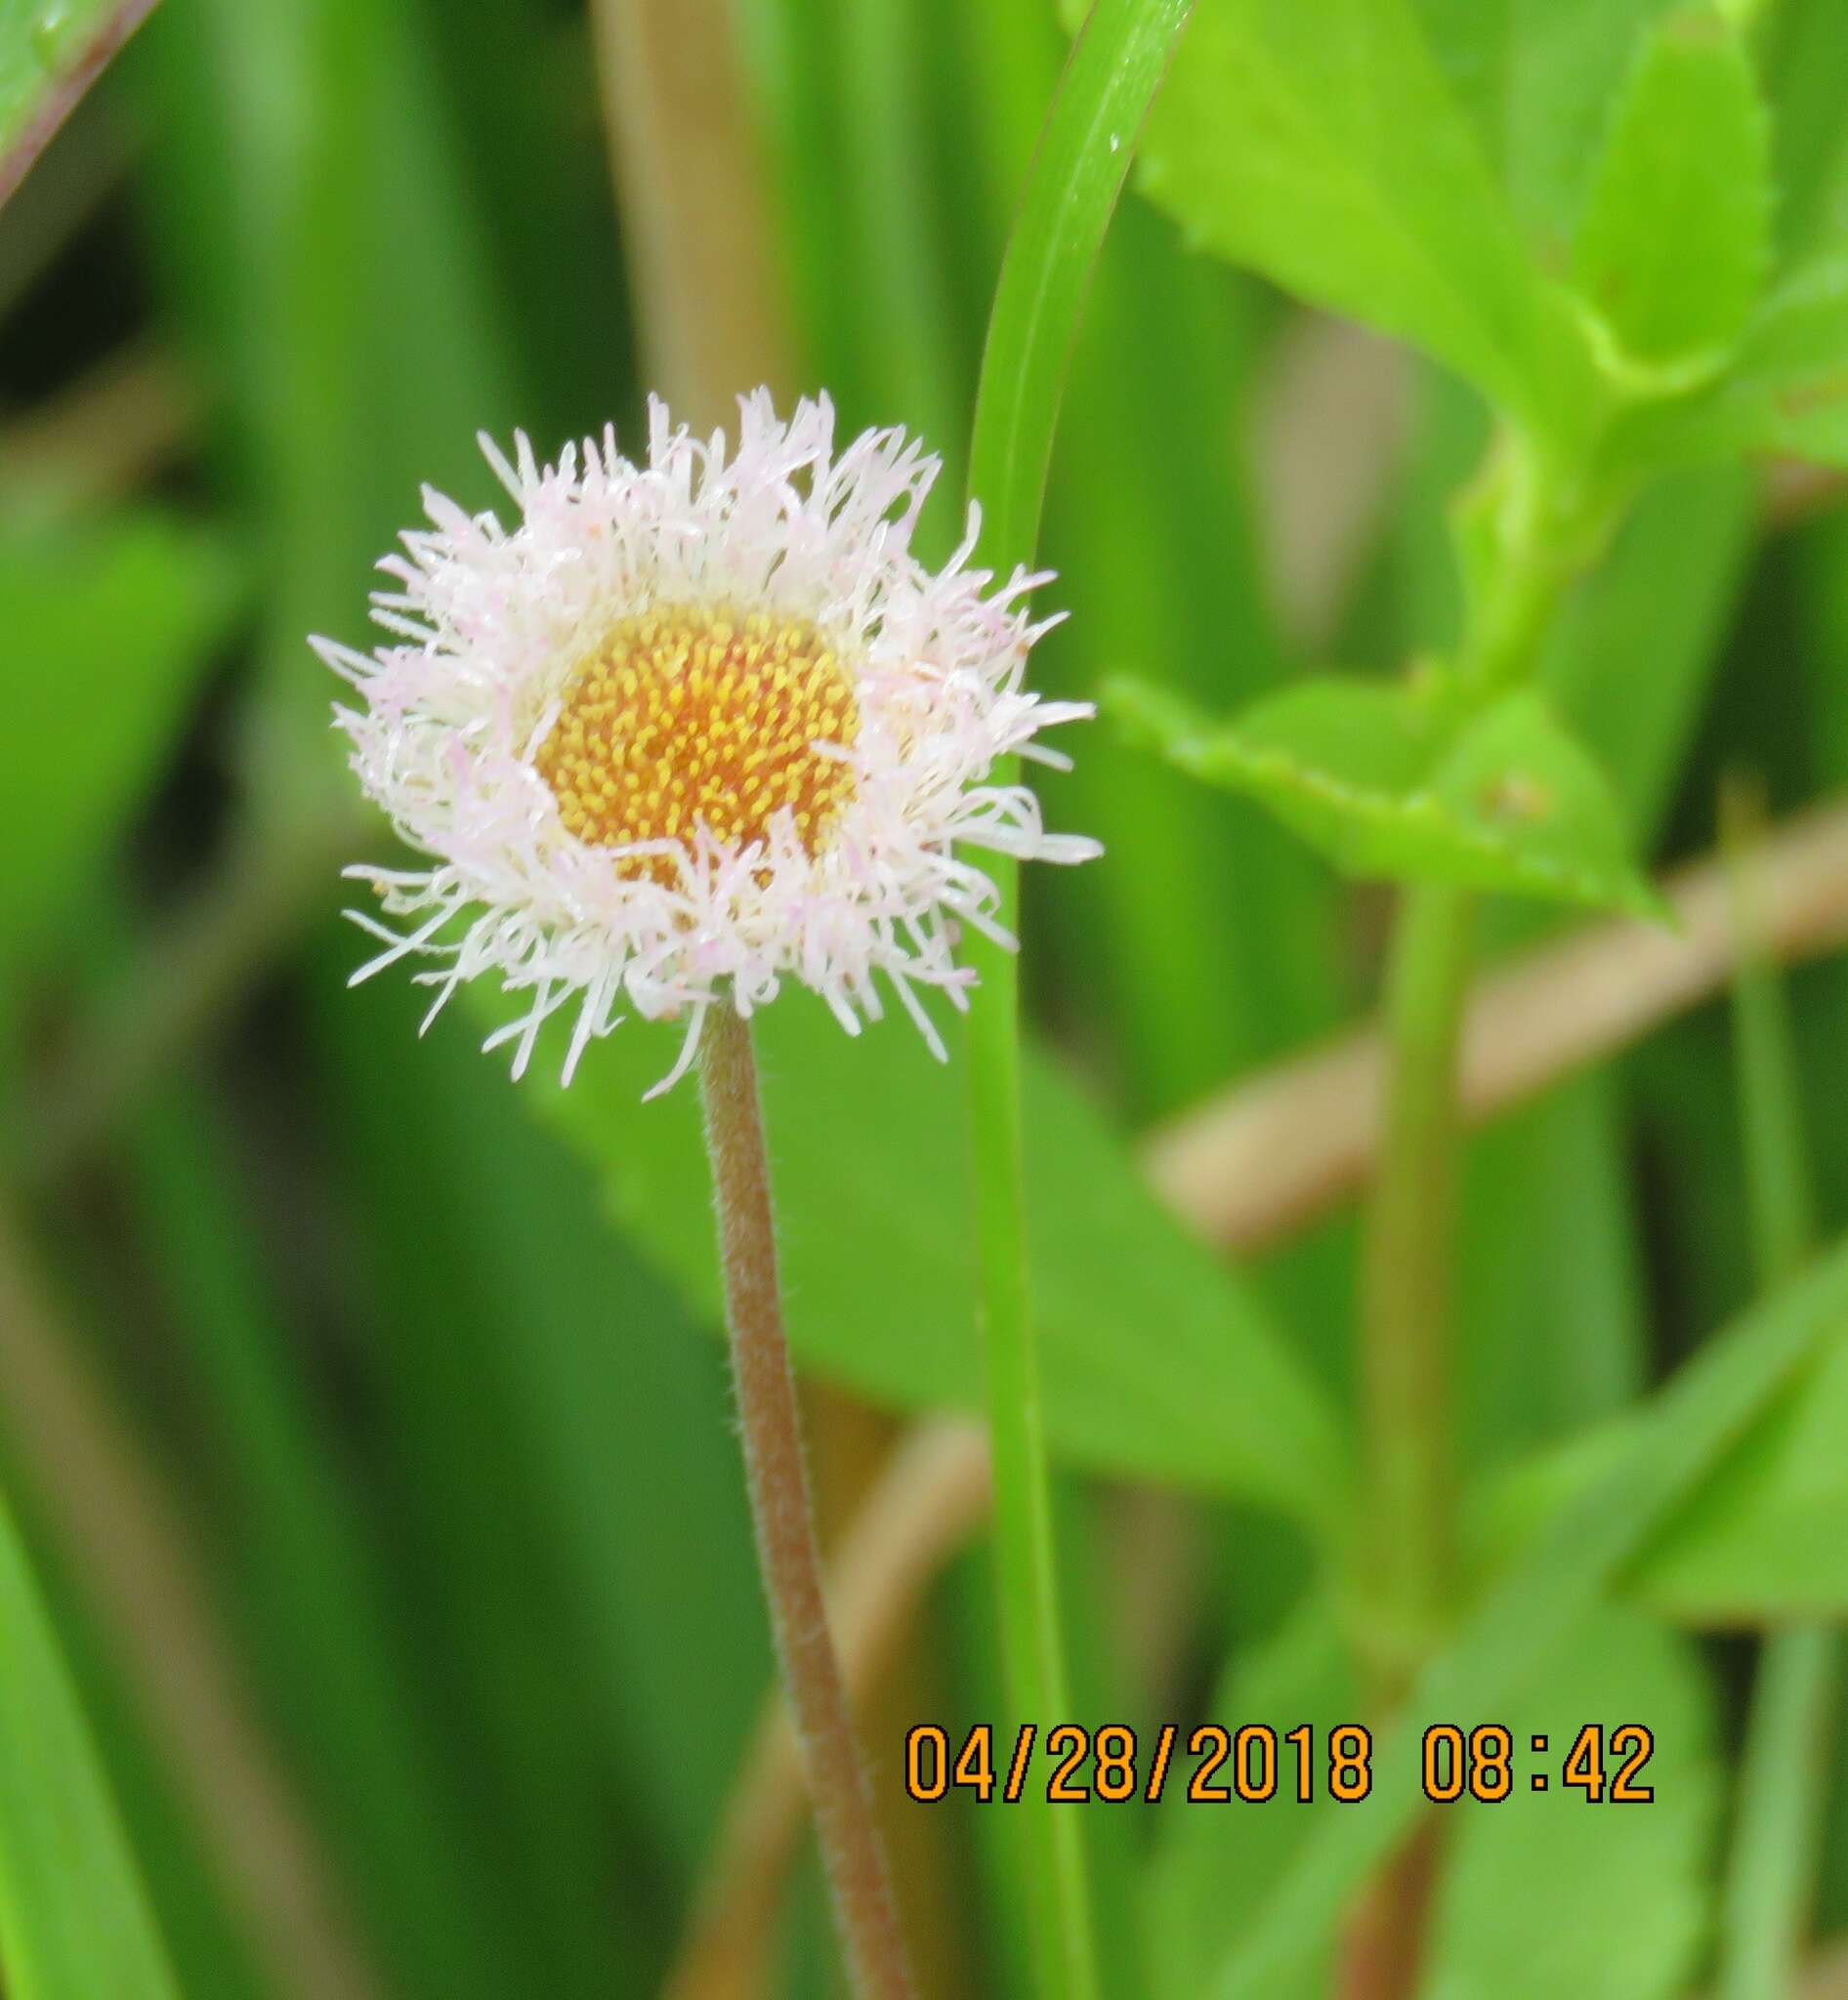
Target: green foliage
{"x":1401,"y":782}
{"x":1324,"y":150}
{"x":1088,"y":141}
{"x":114,"y":621}
{"x":324,"y":1648}
{"x":1768,"y":1538}
{"x":1770,"y":1881}
{"x":427,"y":1357}
{"x":318,"y":236}
{"x":1554,"y":1343}
{"x":876,"y":1258}
{"x":1635,"y":655}
{"x":1675,"y":240}
{"x":1635,"y":1878}
{"x":604,"y":1352}
{"x":1216,"y":1867}
{"x":1786,"y":391}
{"x":1071,"y":191}
{"x":1538,"y":79}
{"x":1427,"y":167}
{"x":1514,"y":1637}
{"x":1760,"y":1543}
{"x":42,"y":44}
{"x":73,"y":1914}
{"x":1187,"y":590}
{"x":1637,"y":1892}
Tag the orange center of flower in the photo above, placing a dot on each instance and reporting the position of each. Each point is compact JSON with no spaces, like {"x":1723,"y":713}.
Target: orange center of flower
{"x":686,"y":718}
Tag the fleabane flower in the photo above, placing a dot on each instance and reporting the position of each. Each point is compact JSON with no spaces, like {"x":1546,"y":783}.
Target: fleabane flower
{"x":695,"y":726}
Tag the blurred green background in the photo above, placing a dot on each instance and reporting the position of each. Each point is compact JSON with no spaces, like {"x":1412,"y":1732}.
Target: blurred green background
{"x":360,"y":1409}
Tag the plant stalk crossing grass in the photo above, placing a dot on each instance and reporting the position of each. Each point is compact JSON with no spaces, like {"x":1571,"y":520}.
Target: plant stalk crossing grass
{"x":1531,"y":544}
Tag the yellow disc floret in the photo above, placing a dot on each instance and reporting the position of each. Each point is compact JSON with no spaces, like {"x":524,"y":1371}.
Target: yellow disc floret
{"x":686,"y":716}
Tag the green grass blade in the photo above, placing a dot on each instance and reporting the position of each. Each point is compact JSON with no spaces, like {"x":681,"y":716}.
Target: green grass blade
{"x":75,"y":1918}
{"x":1770,"y":1090}
{"x":606,"y":1401}
{"x":1777,"y":1835}
{"x":1326,"y":151}
{"x":1084,"y":153}
{"x":1077,"y":175}
{"x":324,"y":1646}
{"x":208,"y":1944}
{"x":1170,"y":578}
{"x":1771,"y":1870}
{"x":904,"y":326}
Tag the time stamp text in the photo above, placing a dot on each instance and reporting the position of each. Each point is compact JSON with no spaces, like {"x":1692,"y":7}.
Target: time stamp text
{"x":1212,"y":1765}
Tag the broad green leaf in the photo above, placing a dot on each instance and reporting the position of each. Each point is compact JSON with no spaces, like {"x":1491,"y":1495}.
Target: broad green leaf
{"x":1787,"y":391}
{"x":1390,"y":781}
{"x":1505,"y":1648}
{"x":1767,"y":1538}
{"x":1637,"y":1892}
{"x":1158,"y":1363}
{"x":1538,"y":77}
{"x":1322,"y":148}
{"x":1634,"y":1879}
{"x":1676,"y":238}
{"x":74,"y":1919}
{"x":1764,"y":1540}
{"x":108,"y":632}
{"x":50,"y":51}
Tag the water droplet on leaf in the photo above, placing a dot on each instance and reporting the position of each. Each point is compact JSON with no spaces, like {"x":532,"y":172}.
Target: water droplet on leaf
{"x":48,"y":33}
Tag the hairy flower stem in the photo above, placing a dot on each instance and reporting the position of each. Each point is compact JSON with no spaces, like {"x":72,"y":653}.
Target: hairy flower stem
{"x":781,"y":1516}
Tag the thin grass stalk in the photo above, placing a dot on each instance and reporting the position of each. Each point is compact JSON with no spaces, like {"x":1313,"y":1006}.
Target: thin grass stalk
{"x":1085,"y":148}
{"x":1770,"y":1880}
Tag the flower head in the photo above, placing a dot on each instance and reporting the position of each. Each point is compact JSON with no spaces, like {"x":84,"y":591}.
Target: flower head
{"x":694,"y":726}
